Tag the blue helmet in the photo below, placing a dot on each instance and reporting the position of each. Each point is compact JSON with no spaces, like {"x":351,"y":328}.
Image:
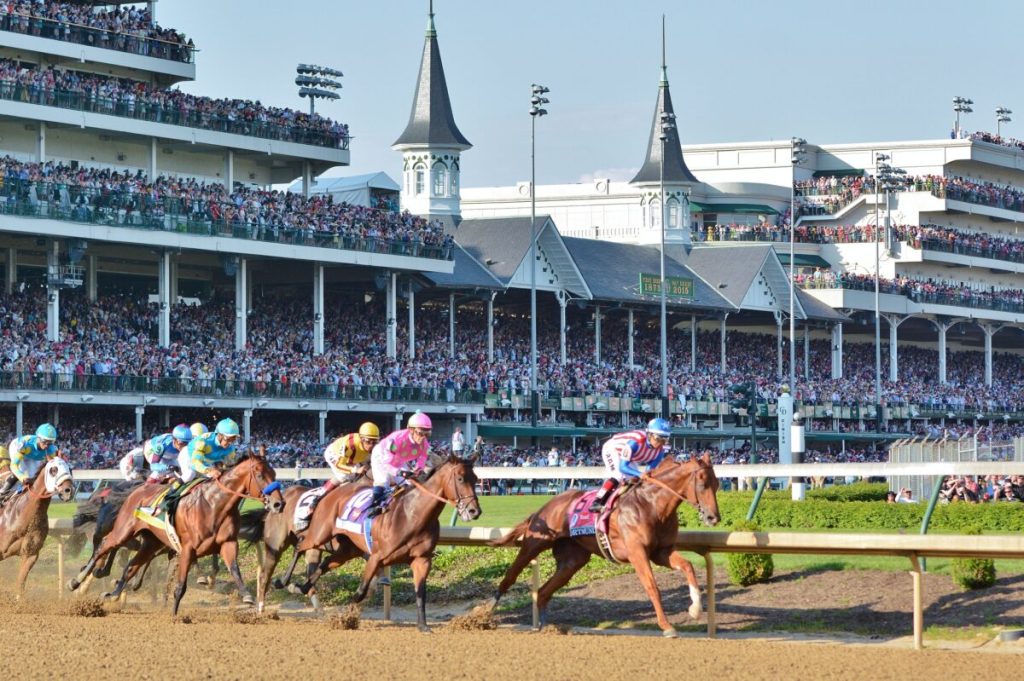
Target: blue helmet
{"x":181,"y":433}
{"x":46,"y":432}
{"x":659,"y":427}
{"x":227,"y":427}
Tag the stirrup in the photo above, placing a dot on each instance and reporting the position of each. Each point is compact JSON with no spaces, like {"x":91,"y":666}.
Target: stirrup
{"x":597,"y":507}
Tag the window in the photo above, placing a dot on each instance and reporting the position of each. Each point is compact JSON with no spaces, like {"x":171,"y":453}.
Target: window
{"x":454,"y":182}
{"x":440,"y":179}
{"x":421,"y":180}
{"x":673,"y":214}
{"x":655,"y":214}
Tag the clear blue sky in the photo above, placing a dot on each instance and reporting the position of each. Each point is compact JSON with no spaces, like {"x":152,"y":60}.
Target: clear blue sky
{"x":740,"y":70}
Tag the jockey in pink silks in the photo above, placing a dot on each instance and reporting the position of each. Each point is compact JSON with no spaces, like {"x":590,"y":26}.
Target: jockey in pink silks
{"x":403,"y":449}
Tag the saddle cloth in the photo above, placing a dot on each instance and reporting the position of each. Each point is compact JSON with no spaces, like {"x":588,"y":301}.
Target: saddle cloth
{"x":353,"y":516}
{"x":582,"y":522}
{"x":305,"y":507}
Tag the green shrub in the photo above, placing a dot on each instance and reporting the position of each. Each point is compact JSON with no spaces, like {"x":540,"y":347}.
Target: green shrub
{"x":749,"y":568}
{"x":973,"y":573}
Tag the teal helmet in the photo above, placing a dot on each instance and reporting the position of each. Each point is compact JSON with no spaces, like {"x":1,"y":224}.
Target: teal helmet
{"x":46,"y":432}
{"x":181,"y":433}
{"x":227,"y":427}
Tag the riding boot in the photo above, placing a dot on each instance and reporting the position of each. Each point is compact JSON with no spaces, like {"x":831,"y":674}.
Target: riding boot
{"x":377,"y":503}
{"x":7,"y":486}
{"x":327,"y":487}
{"x":170,"y":501}
{"x":602,"y":495}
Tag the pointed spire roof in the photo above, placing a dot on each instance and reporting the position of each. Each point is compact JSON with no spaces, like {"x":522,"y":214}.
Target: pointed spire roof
{"x":675,"y":167}
{"x":431,"y":121}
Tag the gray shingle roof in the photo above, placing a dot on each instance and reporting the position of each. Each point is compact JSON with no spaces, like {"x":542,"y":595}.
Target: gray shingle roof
{"x":467,"y":273}
{"x":431,"y":121}
{"x":731,"y":270}
{"x":500,"y":244}
{"x":675,"y":167}
{"x":817,"y":310}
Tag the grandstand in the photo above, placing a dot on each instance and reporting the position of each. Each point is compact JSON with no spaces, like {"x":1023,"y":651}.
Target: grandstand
{"x":153,"y":274}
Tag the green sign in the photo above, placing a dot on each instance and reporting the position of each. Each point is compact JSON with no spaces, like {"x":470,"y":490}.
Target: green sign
{"x":675,"y":287}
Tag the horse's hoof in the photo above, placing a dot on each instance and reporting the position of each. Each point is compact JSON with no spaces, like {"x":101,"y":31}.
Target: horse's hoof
{"x":278,"y":584}
{"x":694,"y":611}
{"x":107,"y":595}
{"x":669,"y":633}
{"x":73,"y":584}
{"x":424,"y":629}
{"x":294,"y":589}
{"x":248,"y":600}
{"x":314,"y":600}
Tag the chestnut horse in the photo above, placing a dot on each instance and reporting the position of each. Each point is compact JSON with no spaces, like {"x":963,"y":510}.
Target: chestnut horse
{"x":206,"y":522}
{"x":643,"y":527}
{"x":23,"y":521}
{"x":406,"y":533}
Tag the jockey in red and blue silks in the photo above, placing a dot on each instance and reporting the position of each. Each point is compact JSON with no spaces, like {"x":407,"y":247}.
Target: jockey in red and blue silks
{"x":28,"y":454}
{"x":405,"y":448}
{"x":623,"y":452}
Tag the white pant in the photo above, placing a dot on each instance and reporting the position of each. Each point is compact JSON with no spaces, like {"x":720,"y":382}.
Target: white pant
{"x":185,"y":465}
{"x":611,"y":457}
{"x":383,"y":472}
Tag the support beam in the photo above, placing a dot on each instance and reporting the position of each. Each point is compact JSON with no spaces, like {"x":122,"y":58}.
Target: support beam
{"x":139,"y":412}
{"x":53,"y":292}
{"x":164,"y":291}
{"x":778,"y":343}
{"x":989,"y":330}
{"x":41,"y":143}
{"x":307,"y":178}
{"x":241,"y":304}
{"x":563,"y":301}
{"x":837,"y":351}
{"x":693,"y":342}
{"x":597,"y":334}
{"x":943,"y":325}
{"x":630,"y":357}
{"x":322,"y":427}
{"x":153,"y":172}
{"x":392,"y":309}
{"x":246,"y":425}
{"x":721,"y":334}
{"x":12,"y":270}
{"x":894,"y":321}
{"x":411,"y":300}
{"x":319,"y":321}
{"x":229,"y":170}
{"x":807,"y":352}
{"x":451,"y":325}
{"x":19,"y":419}
{"x":91,"y":287}
{"x":490,"y":326}
{"x":174,"y":281}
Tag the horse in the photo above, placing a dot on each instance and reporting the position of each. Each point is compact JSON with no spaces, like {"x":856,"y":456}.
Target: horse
{"x":643,"y":526}
{"x":406,"y":533}
{"x":23,"y":521}
{"x":206,"y":522}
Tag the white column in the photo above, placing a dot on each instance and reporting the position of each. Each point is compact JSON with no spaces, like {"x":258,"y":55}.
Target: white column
{"x":894,"y":325}
{"x":693,"y":342}
{"x":174,"y":280}
{"x":41,"y":143}
{"x":411,"y":297}
{"x":152,"y":159}
{"x":490,"y":326}
{"x":241,"y":303}
{"x":307,"y":178}
{"x":837,"y":351}
{"x":942,"y":351}
{"x":631,"y":338}
{"x":246,"y":425}
{"x":807,"y":352}
{"x":90,"y":278}
{"x":989,"y":330}
{"x":469,"y":431}
{"x":778,"y":343}
{"x":12,"y":270}
{"x":451,"y":325}
{"x":19,"y":419}
{"x":322,"y":427}
{"x":597,"y":334}
{"x":318,"y":309}
{"x":392,"y":305}
{"x":164,"y":290}
{"x":53,"y":292}
{"x":229,"y":170}
{"x":139,"y":411}
{"x":563,"y":301}
{"x":721,"y":333}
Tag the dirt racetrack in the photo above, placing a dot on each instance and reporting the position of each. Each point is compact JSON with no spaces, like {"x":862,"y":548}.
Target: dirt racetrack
{"x":49,"y":641}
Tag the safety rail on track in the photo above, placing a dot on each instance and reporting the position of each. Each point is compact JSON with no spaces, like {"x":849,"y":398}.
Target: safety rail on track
{"x":705,"y":543}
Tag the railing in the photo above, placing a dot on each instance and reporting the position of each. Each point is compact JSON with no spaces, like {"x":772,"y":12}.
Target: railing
{"x":229,"y":387}
{"x":74,"y":203}
{"x":82,"y":34}
{"x":965,"y":298}
{"x":996,"y":198}
{"x":947,"y":246}
{"x":142,"y":109}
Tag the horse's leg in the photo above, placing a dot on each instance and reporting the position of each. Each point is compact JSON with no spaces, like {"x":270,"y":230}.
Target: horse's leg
{"x":671,"y":558}
{"x":229,"y":552}
{"x":137,"y":584}
{"x":28,"y":559}
{"x":268,"y":562}
{"x":104,"y":569}
{"x":113,"y":541}
{"x":420,"y":570}
{"x":640,"y":561}
{"x":569,"y":558}
{"x":373,"y":564}
{"x":284,"y":580}
{"x":530,"y":549}
{"x":185,"y":560}
{"x":210,"y":580}
{"x":147,"y":550}
{"x":313,"y":572}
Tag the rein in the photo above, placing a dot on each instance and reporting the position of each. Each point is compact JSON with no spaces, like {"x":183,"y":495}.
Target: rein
{"x":656,"y":481}
{"x":269,"y":489}
{"x":421,"y":487}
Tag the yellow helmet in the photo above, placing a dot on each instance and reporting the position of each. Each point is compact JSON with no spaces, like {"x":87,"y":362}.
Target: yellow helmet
{"x":370,"y":431}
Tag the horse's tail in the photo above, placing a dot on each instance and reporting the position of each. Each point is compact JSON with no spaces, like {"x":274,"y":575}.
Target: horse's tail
{"x":517,"y":533}
{"x":250,"y":529}
{"x":87,"y":512}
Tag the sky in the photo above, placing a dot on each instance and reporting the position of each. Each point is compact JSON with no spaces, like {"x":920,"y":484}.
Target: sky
{"x":740,"y":70}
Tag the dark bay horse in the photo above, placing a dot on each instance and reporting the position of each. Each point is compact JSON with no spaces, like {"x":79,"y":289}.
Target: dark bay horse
{"x":206,"y":522}
{"x":643,"y":527}
{"x":23,"y":521}
{"x":406,"y":533}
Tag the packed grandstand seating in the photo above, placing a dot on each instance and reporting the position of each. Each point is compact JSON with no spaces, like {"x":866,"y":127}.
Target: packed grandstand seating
{"x":126,"y":29}
{"x":84,"y":91}
{"x":73,"y":192}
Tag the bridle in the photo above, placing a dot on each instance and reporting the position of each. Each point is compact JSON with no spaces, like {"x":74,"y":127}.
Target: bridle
{"x":460,"y":499}
{"x":693,"y":476}
{"x":266,"y":491}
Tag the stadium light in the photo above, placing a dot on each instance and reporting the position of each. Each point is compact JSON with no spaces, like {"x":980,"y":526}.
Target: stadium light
{"x":1002,"y":116}
{"x":537,"y":100}
{"x":317,"y":82}
{"x":798,"y":154}
{"x":880,"y":166}
{"x":961,"y":105}
{"x":668,"y":124}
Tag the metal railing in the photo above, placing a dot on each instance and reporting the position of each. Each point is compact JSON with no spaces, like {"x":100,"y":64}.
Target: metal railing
{"x":89,"y":205}
{"x":995,"y":197}
{"x":947,"y":246}
{"x":962,"y":298}
{"x":83,"y":34}
{"x":142,"y":108}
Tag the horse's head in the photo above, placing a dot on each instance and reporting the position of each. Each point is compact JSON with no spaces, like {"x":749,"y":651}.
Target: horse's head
{"x":262,"y":481}
{"x":57,"y":479}
{"x":704,"y":490}
{"x":458,"y":484}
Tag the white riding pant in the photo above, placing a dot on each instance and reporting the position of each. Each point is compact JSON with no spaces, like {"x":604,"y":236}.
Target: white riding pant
{"x":185,"y":465}
{"x":612,"y":457}
{"x":384,"y":473}
{"x":127,"y":465}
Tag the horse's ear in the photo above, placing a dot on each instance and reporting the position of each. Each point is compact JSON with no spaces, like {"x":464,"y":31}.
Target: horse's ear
{"x":262,"y":451}
{"x":706,"y":458}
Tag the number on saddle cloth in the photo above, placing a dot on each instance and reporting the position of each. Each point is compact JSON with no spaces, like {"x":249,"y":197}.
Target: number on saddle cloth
{"x":305,"y":507}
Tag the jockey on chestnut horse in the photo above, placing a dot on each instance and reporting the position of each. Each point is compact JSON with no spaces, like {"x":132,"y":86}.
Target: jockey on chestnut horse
{"x":206,"y":520}
{"x":642,"y":526}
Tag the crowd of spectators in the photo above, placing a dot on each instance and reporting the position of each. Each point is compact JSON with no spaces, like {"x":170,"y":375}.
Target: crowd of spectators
{"x":126,"y":29}
{"x":56,"y":189}
{"x":85,"y":91}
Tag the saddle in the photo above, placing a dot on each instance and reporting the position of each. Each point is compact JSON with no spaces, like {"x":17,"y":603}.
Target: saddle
{"x":152,"y":516}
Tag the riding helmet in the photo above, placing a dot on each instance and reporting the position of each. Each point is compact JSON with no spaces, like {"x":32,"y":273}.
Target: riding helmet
{"x":659,"y":427}
{"x":370,"y":431}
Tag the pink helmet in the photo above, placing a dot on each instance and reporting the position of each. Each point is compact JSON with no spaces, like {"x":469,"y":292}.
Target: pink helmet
{"x":420,"y":420}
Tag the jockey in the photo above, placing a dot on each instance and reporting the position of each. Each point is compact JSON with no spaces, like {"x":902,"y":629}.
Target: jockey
{"x":28,"y":454}
{"x":399,"y":449}
{"x":198,"y":429}
{"x":201,"y":455}
{"x":344,"y":456}
{"x":160,"y":452}
{"x":623,"y":451}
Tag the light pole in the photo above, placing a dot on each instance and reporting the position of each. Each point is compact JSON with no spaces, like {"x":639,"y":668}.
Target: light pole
{"x":668,"y":124}
{"x":961,"y":105}
{"x":316,"y":82}
{"x":536,"y":111}
{"x":880,"y":160}
{"x":1002,"y":116}
{"x":799,"y":152}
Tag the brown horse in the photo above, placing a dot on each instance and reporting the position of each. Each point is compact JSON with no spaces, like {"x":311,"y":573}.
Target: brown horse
{"x":206,"y":522}
{"x":643,"y":527}
{"x":23,"y":521}
{"x":406,"y":533}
